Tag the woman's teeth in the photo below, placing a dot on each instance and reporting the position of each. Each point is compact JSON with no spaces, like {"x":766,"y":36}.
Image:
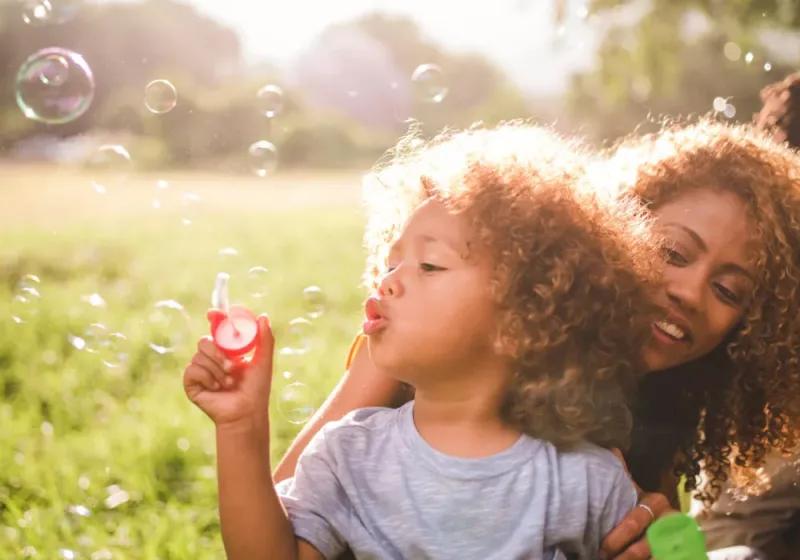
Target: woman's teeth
{"x":671,"y":329}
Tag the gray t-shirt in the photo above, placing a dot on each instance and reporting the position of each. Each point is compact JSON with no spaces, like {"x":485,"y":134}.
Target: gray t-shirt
{"x":371,"y":483}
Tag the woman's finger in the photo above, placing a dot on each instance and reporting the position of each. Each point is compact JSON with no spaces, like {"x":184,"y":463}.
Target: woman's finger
{"x":633,"y":526}
{"x":639,"y":550}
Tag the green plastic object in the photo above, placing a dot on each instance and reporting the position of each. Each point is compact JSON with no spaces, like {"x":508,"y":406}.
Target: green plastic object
{"x":676,"y":537}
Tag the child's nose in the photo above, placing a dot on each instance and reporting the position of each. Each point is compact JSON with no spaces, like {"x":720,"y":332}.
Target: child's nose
{"x":390,"y":285}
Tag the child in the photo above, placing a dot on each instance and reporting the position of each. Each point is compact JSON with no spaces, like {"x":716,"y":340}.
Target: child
{"x":512,"y":301}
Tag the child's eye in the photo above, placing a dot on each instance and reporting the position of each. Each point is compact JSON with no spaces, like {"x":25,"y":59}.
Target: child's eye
{"x":428,"y":267}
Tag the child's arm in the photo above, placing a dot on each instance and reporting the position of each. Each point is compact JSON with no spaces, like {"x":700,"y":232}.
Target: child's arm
{"x":254,"y":523}
{"x":361,"y":386}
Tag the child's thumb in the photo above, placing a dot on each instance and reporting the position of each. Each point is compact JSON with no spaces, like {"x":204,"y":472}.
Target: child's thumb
{"x":265,"y":343}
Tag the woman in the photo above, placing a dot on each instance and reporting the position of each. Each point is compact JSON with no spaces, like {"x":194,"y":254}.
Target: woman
{"x":723,"y":357}
{"x":763,"y":522}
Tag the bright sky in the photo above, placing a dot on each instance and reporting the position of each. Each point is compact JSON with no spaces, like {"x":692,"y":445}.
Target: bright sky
{"x":518,"y":35}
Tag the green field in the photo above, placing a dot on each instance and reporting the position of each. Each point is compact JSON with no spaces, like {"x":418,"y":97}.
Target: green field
{"x":101,"y":454}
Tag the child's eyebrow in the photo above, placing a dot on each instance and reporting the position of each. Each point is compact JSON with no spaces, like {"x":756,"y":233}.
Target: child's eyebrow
{"x":447,"y":242}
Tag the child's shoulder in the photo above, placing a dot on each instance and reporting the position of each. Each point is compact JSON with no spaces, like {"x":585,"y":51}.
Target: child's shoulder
{"x":587,"y":454}
{"x":362,"y":421}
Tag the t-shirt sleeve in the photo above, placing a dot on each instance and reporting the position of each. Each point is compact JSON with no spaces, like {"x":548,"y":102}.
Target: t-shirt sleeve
{"x":315,"y":501}
{"x":620,"y":500}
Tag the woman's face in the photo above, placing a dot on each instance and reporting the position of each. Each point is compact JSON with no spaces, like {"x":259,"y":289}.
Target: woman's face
{"x":708,"y":276}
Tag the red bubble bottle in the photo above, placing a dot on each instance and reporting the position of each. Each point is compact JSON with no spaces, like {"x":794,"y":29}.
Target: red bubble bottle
{"x":235,"y":329}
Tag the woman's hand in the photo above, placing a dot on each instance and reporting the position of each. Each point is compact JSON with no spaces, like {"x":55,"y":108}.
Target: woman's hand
{"x":627,"y":540}
{"x":229,"y":392}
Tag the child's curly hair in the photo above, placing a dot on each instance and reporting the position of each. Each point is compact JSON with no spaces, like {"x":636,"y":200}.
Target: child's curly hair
{"x":571,"y":274}
{"x":742,"y":395}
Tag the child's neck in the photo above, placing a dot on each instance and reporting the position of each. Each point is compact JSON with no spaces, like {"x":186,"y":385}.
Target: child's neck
{"x":463,"y":418}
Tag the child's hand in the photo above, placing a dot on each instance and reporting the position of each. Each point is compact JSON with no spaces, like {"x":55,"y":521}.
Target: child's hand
{"x":231,"y":392}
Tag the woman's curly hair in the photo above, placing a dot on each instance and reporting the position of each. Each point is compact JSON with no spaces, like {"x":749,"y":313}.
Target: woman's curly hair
{"x":742,"y":396}
{"x":572,"y":269}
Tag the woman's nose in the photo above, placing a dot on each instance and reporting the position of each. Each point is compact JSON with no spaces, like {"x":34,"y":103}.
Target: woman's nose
{"x":685,"y":290}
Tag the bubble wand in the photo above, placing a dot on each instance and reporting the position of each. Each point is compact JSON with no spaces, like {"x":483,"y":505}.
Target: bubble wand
{"x":235,"y":329}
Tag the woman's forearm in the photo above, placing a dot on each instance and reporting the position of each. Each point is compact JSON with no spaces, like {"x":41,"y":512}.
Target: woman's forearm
{"x":361,"y":385}
{"x":254,"y":523}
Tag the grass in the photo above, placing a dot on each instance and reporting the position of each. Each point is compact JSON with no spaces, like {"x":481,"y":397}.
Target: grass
{"x":104,"y":462}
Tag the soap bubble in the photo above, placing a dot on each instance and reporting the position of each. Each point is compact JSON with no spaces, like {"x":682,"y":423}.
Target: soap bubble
{"x":160,"y":97}
{"x":314,"y":301}
{"x":263,"y":157}
{"x":54,"y":86}
{"x":295,"y":403}
{"x":110,"y":166}
{"x":732,"y":51}
{"x":767,"y":67}
{"x":109,"y":346}
{"x":298,"y":337}
{"x":429,"y":83}
{"x":730,"y":111}
{"x":270,"y":100}
{"x":25,"y":300}
{"x":719,"y":104}
{"x":257,"y":281}
{"x":36,"y":12}
{"x":748,"y":58}
{"x":170,"y":326}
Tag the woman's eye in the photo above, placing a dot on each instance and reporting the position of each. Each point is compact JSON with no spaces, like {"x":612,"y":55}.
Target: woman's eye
{"x":728,"y":295}
{"x":388,"y":268}
{"x":673,"y":257}
{"x":428,"y":267}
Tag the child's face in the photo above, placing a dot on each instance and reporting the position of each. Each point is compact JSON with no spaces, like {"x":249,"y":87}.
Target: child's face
{"x":433,"y":311}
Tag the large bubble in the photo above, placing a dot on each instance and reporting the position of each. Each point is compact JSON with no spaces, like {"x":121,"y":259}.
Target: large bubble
{"x":54,"y":86}
{"x":263,"y":157}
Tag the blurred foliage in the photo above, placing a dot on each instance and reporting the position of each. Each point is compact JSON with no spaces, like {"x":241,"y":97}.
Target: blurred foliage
{"x":667,"y":57}
{"x":349,"y":98}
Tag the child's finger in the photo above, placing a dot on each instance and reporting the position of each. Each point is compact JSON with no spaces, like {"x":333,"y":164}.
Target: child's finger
{"x":266,"y":343}
{"x":206,"y":346}
{"x":198,"y":375}
{"x":211,"y":366}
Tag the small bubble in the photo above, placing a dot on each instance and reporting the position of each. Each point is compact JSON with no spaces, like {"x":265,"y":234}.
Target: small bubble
{"x":116,"y":497}
{"x":270,"y":100}
{"x":748,"y":58}
{"x":719,"y":104}
{"x":767,"y":66}
{"x":730,"y":111}
{"x":160,"y":96}
{"x":95,"y":300}
{"x":732,"y":51}
{"x":66,"y":553}
{"x":110,"y":166}
{"x":79,"y":510}
{"x":257,"y":281}
{"x":36,"y":12}
{"x":47,"y":429}
{"x":162,"y":184}
{"x":295,"y":403}
{"x":26,"y":298}
{"x":263,"y":157}
{"x":84,"y":482}
{"x":297,"y":337}
{"x":183,"y":444}
{"x":77,"y":342}
{"x":582,"y":12}
{"x":102,"y":554}
{"x":29,"y":552}
{"x":314,"y":301}
{"x":429,"y":83}
{"x":287,"y":374}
